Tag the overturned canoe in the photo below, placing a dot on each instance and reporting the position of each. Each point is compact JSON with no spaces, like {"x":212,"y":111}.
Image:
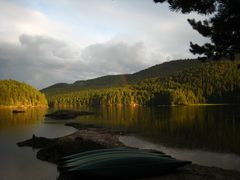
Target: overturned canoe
{"x":101,"y":155}
{"x":120,"y":163}
{"x":101,"y":152}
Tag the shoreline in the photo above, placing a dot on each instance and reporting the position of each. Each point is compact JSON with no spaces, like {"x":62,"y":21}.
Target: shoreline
{"x":23,"y":107}
{"x":90,"y":137}
{"x":66,"y":107}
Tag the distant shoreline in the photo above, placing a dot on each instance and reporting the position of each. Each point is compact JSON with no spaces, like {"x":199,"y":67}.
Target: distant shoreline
{"x":210,"y":104}
{"x":62,"y":107}
{"x":22,"y":107}
{"x":137,"y":105}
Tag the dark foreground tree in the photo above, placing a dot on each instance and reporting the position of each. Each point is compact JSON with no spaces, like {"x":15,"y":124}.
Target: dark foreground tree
{"x":222,"y":26}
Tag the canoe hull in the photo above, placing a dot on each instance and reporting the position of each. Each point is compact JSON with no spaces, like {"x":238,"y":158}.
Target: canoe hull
{"x":118,"y":164}
{"x":125,"y":172}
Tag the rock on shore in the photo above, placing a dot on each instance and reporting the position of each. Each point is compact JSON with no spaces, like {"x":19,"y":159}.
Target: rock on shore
{"x":68,"y":114}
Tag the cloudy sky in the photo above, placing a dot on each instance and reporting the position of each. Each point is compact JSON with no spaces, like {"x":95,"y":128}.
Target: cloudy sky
{"x":43,"y":42}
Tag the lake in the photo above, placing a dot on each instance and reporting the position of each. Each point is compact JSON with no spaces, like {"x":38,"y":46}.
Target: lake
{"x":21,"y":163}
{"x":207,"y":135}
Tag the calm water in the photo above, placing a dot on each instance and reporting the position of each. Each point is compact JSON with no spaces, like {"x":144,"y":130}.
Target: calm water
{"x":208,"y":135}
{"x":21,"y":163}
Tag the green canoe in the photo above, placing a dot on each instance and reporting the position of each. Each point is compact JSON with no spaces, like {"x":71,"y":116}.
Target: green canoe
{"x":107,"y":150}
{"x":120,"y":163}
{"x":99,"y":156}
{"x":97,"y":153}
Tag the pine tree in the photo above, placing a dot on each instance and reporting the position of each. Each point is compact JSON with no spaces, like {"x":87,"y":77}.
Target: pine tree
{"x":222,"y":26}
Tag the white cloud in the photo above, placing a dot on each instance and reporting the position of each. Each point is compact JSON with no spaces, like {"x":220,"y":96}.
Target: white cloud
{"x":42,"y":61}
{"x":64,"y":41}
{"x":17,"y":20}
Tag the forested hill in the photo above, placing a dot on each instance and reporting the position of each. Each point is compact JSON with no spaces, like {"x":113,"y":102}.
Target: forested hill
{"x":164,"y":70}
{"x":161,"y":70}
{"x":212,"y":82}
{"x":14,"y":93}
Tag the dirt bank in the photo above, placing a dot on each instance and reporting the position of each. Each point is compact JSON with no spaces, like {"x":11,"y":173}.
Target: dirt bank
{"x":90,"y":137}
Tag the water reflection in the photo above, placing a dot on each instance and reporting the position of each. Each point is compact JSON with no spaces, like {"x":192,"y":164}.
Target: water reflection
{"x":30,"y":116}
{"x":21,"y":163}
{"x":215,"y":128}
{"x":201,"y":157}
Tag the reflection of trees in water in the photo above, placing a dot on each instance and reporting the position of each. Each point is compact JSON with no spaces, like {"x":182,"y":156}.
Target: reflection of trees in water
{"x":214,"y":128}
{"x":205,"y":127}
{"x":30,"y":116}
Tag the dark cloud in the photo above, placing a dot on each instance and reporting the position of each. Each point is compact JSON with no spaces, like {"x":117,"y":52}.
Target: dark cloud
{"x":42,"y":61}
{"x":37,"y":60}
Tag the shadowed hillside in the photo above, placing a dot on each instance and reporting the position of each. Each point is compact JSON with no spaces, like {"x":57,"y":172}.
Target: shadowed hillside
{"x":161,"y":70}
{"x":212,"y":82}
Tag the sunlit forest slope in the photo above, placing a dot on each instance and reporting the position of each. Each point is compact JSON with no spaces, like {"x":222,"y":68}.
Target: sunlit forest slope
{"x":211,"y":82}
{"x":14,"y":93}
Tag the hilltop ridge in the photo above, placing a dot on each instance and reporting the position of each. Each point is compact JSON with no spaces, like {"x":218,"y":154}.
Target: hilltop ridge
{"x":160,"y":70}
